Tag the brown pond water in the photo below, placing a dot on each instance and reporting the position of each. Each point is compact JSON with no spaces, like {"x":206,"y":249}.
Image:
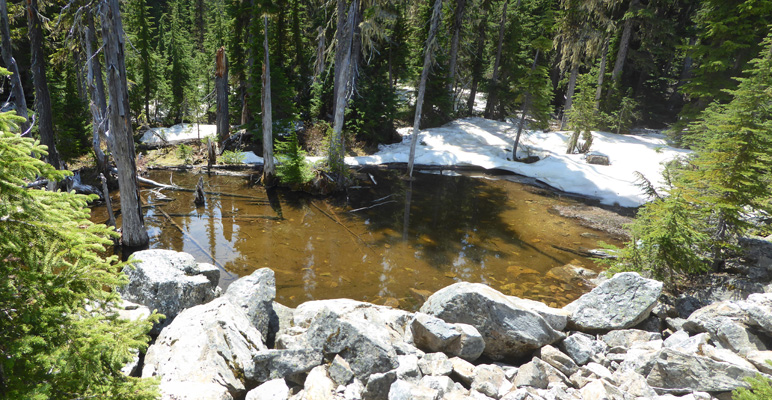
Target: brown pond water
{"x":477,"y":229}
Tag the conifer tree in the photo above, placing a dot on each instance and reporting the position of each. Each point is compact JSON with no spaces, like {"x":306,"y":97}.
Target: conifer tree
{"x":58,"y":337}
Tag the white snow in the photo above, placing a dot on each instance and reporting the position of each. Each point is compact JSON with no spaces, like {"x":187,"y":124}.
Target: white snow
{"x":178,"y":133}
{"x":488,"y":144}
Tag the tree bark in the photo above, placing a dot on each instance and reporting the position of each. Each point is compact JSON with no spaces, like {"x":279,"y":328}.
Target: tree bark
{"x":133,"y":229}
{"x":526,"y":106}
{"x":419,"y":102}
{"x":477,"y":61}
{"x":96,"y":94}
{"x":491,"y":105}
{"x":221,"y":87}
{"x":569,"y":96}
{"x":16,"y":89}
{"x":624,"y":45}
{"x":458,"y":19}
{"x":42,"y":96}
{"x":320,"y":53}
{"x":340,"y":31}
{"x":343,"y":74}
{"x":601,"y":73}
{"x":269,"y":170}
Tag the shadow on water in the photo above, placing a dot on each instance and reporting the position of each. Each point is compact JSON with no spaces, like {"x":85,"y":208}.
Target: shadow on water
{"x":393,"y":242}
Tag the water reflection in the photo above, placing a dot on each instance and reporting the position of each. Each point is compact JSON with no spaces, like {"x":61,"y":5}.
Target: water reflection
{"x":404,"y":237}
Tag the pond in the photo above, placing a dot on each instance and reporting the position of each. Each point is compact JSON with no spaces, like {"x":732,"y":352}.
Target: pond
{"x":389,"y":241}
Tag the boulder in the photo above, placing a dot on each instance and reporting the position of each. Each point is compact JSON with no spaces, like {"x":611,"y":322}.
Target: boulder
{"x":601,"y":390}
{"x":582,"y":347}
{"x":463,"y":371}
{"x":621,"y":302}
{"x":759,"y":308}
{"x":442,"y":384}
{"x":538,"y":374}
{"x":404,"y":390}
{"x":408,"y":369}
{"x":318,"y":384}
{"x":488,"y":380}
{"x":436,"y":364}
{"x":509,"y":330}
{"x":168,"y":281}
{"x":378,"y":386}
{"x":707,"y":319}
{"x":555,"y":317}
{"x":255,"y":294}
{"x":627,"y":337}
{"x":634,"y":384}
{"x":760,"y":359}
{"x":210,"y":343}
{"x":558,"y":359}
{"x":677,"y":372}
{"x":193,"y":391}
{"x":283,"y":364}
{"x":590,"y":372}
{"x":724,"y":355}
{"x":276,"y":389}
{"x":597,"y":159}
{"x":432,"y":334}
{"x":340,"y":372}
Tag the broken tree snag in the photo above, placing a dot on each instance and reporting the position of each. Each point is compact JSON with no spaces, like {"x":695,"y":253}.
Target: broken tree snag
{"x":200,"y":198}
{"x":221,"y":86}
{"x":108,"y":201}
{"x":211,"y":156}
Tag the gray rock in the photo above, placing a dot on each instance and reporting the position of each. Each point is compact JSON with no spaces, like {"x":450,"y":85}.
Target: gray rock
{"x":210,"y":343}
{"x":408,"y":369}
{"x":463,"y":371}
{"x":555,"y":317}
{"x":340,"y":372}
{"x":255,"y":294}
{"x":366,"y":346}
{"x":168,"y":282}
{"x":601,"y":390}
{"x":509,"y":330}
{"x":285,"y":364}
{"x":318,"y":384}
{"x":736,"y":336}
{"x":435,"y":364}
{"x":597,"y":159}
{"x":759,"y":308}
{"x":132,"y":311}
{"x":707,"y":319}
{"x":759,"y":360}
{"x":618,"y":303}
{"x":724,"y":355}
{"x":354,"y":390}
{"x":378,"y":386}
{"x":488,"y":380}
{"x":676,"y":372}
{"x":590,"y":372}
{"x":627,"y":337}
{"x":276,"y":389}
{"x":442,"y":384}
{"x":193,"y":391}
{"x":634,"y":384}
{"x":681,"y":341}
{"x":581,"y":347}
{"x":404,"y":390}
{"x":538,"y":374}
{"x":558,"y":359}
{"x":432,"y":334}
{"x":394,"y":319}
{"x":675,"y":324}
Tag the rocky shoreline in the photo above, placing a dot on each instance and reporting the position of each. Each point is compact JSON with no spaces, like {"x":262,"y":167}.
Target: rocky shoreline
{"x":622,"y":340}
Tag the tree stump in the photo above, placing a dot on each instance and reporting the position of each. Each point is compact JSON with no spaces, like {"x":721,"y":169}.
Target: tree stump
{"x":199,"y":200}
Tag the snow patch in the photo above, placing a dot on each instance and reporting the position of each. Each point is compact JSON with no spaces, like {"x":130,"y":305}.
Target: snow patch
{"x":178,"y":133}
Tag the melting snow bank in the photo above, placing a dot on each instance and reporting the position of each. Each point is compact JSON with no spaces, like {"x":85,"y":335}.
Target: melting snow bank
{"x":488,"y":144}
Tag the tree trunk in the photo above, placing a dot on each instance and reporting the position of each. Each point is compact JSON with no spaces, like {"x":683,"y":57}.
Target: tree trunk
{"x":16,"y":89}
{"x":98,"y":103}
{"x":269,"y":169}
{"x":320,"y":53}
{"x":340,"y":31}
{"x":419,"y":102}
{"x":133,"y":229}
{"x":526,"y":106}
{"x":42,"y":96}
{"x":246,"y":117}
{"x":624,"y":45}
{"x":458,"y":20}
{"x":476,"y":65}
{"x":491,"y":105}
{"x":569,"y":96}
{"x":221,"y":87}
{"x":601,"y":73}
{"x":345,"y":37}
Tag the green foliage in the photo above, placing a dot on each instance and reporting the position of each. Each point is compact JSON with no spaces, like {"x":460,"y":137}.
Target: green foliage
{"x":370,"y":115}
{"x":761,"y":389}
{"x":185,"y":153}
{"x":51,"y":344}
{"x":71,"y":121}
{"x":232,"y":157}
{"x":292,"y":167}
{"x":584,"y":116}
{"x":622,"y":118}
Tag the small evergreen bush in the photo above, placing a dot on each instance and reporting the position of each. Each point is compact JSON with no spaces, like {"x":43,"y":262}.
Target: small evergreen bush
{"x":232,"y":157}
{"x":292,"y":167}
{"x":185,"y":153}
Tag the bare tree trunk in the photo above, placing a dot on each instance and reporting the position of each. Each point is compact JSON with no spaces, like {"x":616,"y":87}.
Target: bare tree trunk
{"x":419,"y":102}
{"x":246,"y":117}
{"x":477,"y":63}
{"x":458,"y":20}
{"x":493,"y":89}
{"x":97,"y":97}
{"x":526,"y":107}
{"x":340,"y":31}
{"x":320,"y":48}
{"x":343,"y":75}
{"x":624,"y":45}
{"x":269,"y":170}
{"x":16,"y":89}
{"x":601,"y":73}
{"x":133,"y":229}
{"x":569,"y":96}
{"x":221,"y":87}
{"x":42,"y":96}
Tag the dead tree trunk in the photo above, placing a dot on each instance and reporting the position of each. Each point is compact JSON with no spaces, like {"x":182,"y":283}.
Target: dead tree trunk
{"x":133,"y":229}
{"x":342,"y":79}
{"x":419,"y":102}
{"x":42,"y":95}
{"x":269,"y":170}
{"x":320,"y":48}
{"x":491,"y":105}
{"x":16,"y":89}
{"x":221,"y":86}
{"x":569,"y":95}
{"x":458,"y":19}
{"x":96,"y":94}
{"x":526,"y":107}
{"x":601,"y":73}
{"x":624,"y":45}
{"x":477,"y":63}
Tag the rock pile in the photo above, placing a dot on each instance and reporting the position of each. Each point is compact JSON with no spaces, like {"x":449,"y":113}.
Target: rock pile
{"x":468,"y":341}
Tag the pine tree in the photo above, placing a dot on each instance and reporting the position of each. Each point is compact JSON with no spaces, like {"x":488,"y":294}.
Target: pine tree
{"x":58,"y":337}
